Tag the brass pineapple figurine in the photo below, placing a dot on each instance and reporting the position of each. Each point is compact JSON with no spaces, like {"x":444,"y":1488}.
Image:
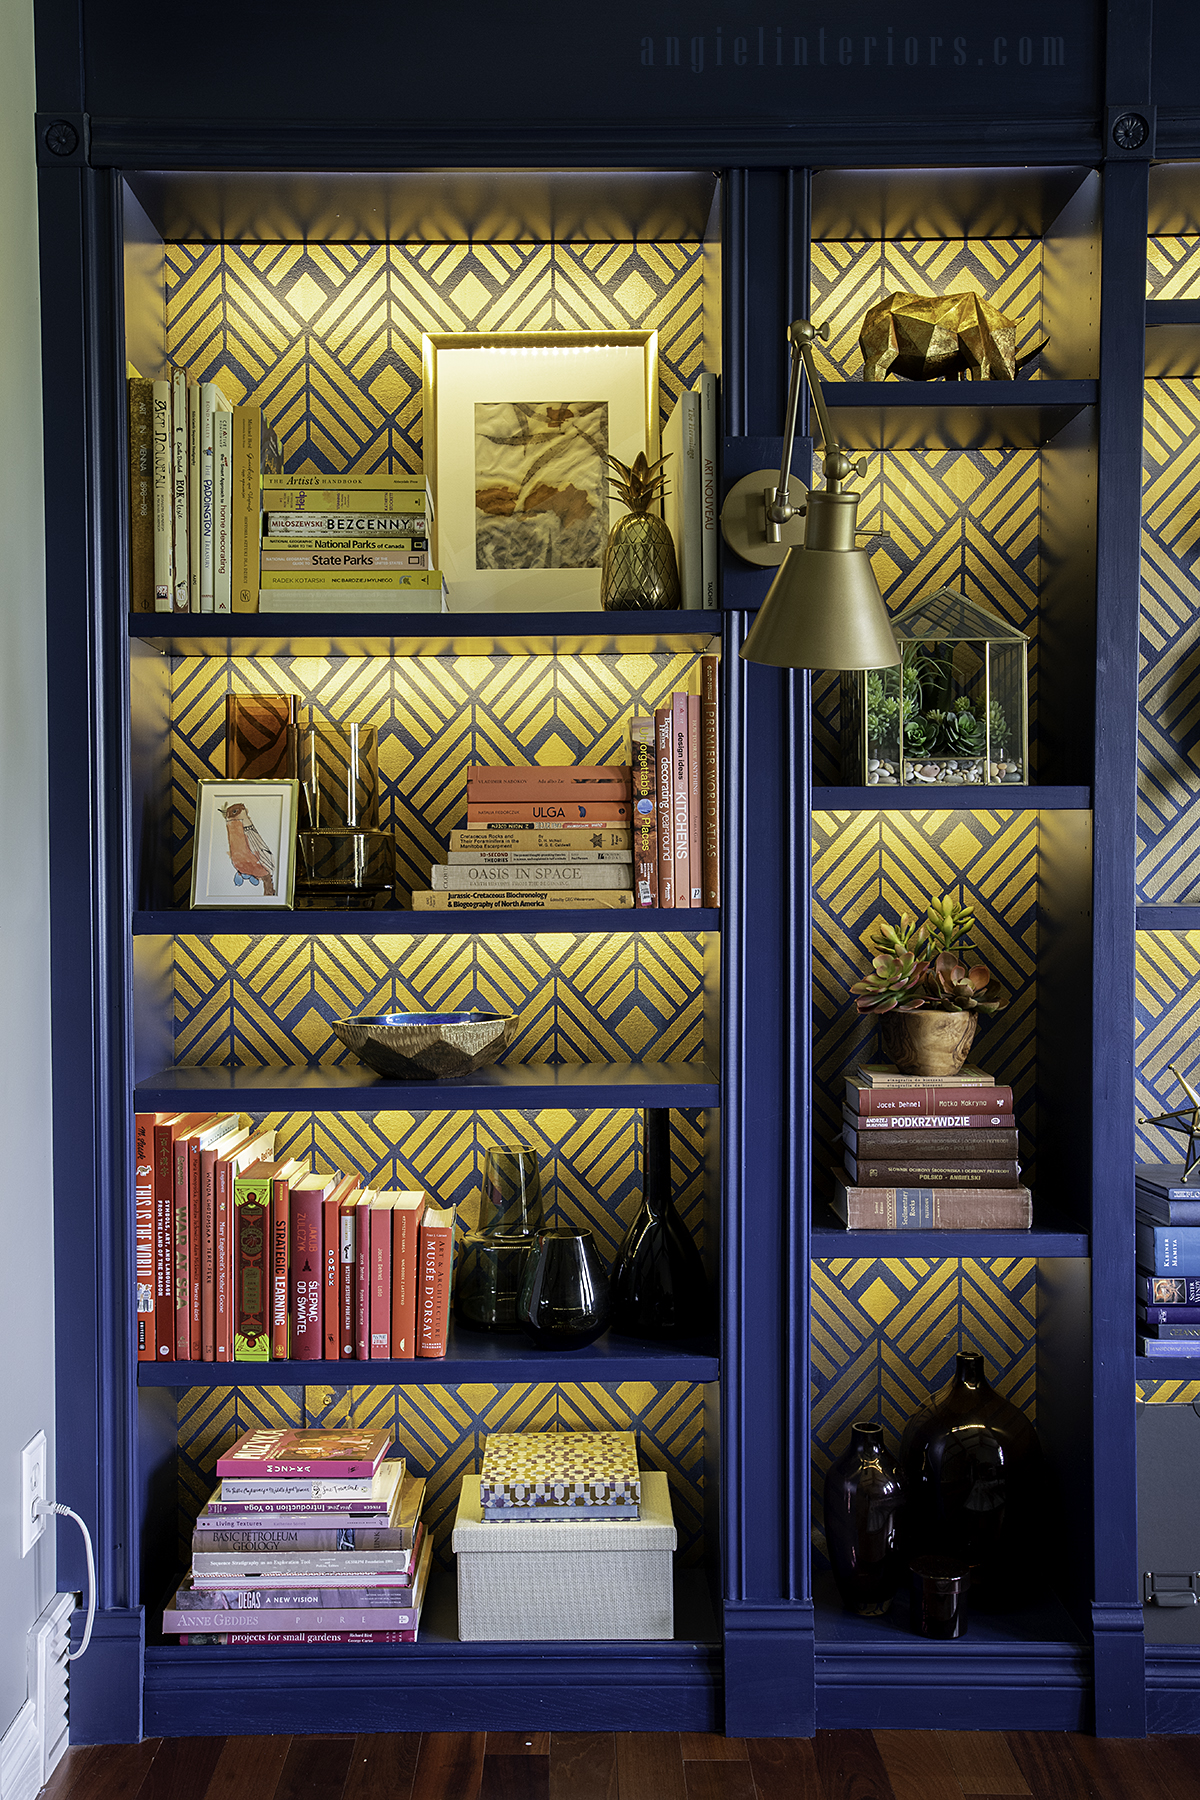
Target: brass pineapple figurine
{"x":639,"y":570}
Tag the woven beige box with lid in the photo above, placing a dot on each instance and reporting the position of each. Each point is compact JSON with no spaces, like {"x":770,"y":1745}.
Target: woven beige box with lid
{"x":528,"y":1580}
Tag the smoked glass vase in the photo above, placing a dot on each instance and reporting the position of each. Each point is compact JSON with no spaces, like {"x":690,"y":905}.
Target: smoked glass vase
{"x":973,"y":1468}
{"x":564,"y":1296}
{"x":658,"y":1283}
{"x":492,"y":1258}
{"x":864,"y":1504}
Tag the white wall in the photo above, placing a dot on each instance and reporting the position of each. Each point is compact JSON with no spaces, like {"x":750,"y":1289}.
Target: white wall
{"x":26,"y":1278}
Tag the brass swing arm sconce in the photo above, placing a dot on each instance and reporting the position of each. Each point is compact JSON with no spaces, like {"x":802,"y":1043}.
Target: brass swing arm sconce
{"x":824,"y":609}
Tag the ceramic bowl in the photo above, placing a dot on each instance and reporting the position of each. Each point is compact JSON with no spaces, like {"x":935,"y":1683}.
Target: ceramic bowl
{"x":427,"y":1046}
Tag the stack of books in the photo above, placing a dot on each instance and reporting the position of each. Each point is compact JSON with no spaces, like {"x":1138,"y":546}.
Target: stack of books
{"x":689,"y":441}
{"x":196,"y":463}
{"x":241,"y":1258}
{"x":348,"y":543}
{"x":1168,"y":1260}
{"x":677,"y":851}
{"x":310,"y":1538}
{"x":929,"y":1153}
{"x":537,"y":839}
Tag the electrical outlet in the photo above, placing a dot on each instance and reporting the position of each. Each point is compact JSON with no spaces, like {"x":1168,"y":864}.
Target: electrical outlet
{"x":33,"y":1489}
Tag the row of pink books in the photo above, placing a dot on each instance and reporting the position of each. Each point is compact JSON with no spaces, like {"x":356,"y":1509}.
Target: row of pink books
{"x":242,"y":1258}
{"x":311,"y":1537}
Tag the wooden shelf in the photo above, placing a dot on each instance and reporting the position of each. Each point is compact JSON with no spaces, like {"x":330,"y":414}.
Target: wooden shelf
{"x":471,"y":1356}
{"x":954,"y":415}
{"x":1172,"y":312}
{"x":354,"y":1088}
{"x":1167,"y":1368}
{"x":247,"y":922}
{"x":913,"y":797}
{"x":1032,"y":1665}
{"x":1172,"y":339}
{"x":625,"y":1686}
{"x":1049,"y":1237}
{"x":425,"y":634}
{"x":1168,"y":918}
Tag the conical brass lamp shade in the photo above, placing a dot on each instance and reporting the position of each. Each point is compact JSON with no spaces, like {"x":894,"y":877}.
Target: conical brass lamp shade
{"x":824,"y":609}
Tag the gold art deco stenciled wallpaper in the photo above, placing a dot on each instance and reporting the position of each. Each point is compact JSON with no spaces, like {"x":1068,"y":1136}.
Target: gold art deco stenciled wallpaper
{"x":884,"y":1337}
{"x":327,"y":338}
{"x":1168,"y":962}
{"x":877,"y":865}
{"x":261,"y":1002}
{"x":434,"y":717}
{"x":1169,"y":681}
{"x":590,"y":1159}
{"x":440,"y":1430}
{"x":885,"y":1331}
{"x":964,"y":519}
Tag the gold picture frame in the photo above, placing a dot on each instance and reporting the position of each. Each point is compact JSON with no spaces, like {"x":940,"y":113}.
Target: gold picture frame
{"x":524,"y":422}
{"x":244,"y":843}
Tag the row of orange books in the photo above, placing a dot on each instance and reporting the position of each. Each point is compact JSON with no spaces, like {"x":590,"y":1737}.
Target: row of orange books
{"x":242,"y":1258}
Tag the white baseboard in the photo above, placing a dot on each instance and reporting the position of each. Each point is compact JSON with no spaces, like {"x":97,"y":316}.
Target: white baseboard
{"x":36,"y":1741}
{"x":21,"y":1756}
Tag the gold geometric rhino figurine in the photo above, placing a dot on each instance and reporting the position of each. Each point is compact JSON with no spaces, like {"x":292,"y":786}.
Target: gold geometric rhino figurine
{"x":954,"y":335}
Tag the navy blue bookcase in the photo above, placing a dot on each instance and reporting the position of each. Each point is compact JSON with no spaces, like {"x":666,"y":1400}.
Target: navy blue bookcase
{"x":846,"y":153}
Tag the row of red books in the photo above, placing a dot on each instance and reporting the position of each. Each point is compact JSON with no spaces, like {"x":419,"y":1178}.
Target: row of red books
{"x":676,"y":810}
{"x":244,"y":1259}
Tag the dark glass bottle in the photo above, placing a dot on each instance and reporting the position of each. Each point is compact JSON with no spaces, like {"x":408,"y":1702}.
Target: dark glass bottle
{"x":564,"y":1296}
{"x":973,"y":1466}
{"x":659,"y":1288}
{"x":864,"y":1502}
{"x":492,"y":1259}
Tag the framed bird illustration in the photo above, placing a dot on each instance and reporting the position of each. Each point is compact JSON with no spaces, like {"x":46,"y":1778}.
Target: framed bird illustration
{"x":245,"y":843}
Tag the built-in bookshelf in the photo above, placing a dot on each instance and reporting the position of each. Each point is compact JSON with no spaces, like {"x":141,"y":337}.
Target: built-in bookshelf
{"x":737,"y":1019}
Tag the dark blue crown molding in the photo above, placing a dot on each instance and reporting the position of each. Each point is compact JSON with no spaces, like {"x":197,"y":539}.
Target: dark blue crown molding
{"x":149,"y":143}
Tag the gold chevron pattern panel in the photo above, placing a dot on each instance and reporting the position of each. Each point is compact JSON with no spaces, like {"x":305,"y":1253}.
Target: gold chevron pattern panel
{"x":963,"y":519}
{"x":885,"y":1333}
{"x":590,"y":1159}
{"x":327,"y":338}
{"x":1167,"y":1025}
{"x":434,"y":716}
{"x":847,"y":278}
{"x":1169,"y":1393}
{"x":1169,"y":675}
{"x":440,"y":1429}
{"x":868,"y":866}
{"x":260,"y":1002}
{"x":1173,"y":268}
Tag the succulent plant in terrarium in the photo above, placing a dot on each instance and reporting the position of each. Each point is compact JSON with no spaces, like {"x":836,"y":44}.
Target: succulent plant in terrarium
{"x":952,"y":711}
{"x":640,"y":569}
{"x":920,"y":963}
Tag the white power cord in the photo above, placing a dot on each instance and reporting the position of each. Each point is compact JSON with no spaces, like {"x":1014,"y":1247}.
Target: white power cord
{"x":66,"y":1512}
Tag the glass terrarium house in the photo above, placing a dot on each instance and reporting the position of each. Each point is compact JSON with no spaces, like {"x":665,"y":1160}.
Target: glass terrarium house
{"x":953,"y":712}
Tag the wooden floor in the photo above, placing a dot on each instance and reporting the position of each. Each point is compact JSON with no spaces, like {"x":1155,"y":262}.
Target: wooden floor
{"x":835,"y":1765}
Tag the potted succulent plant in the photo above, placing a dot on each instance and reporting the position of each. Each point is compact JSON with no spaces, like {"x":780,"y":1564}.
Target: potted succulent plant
{"x":925,"y":991}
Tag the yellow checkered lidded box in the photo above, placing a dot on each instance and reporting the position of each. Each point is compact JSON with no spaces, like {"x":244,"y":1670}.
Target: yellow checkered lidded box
{"x":577,"y":1474}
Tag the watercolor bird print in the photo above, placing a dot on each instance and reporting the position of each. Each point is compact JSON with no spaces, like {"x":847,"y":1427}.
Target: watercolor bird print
{"x":252,"y":860}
